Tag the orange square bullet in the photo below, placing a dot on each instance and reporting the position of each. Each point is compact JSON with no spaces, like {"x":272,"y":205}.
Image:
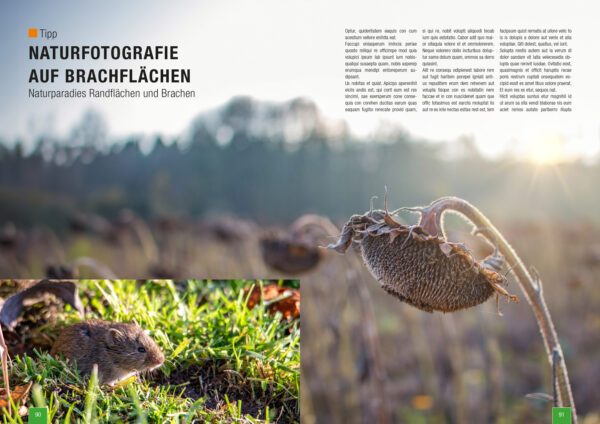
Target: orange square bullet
{"x":32,"y":32}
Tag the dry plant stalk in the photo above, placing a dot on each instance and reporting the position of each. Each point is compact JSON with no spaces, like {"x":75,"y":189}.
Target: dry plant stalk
{"x":419,"y":266}
{"x":4,"y":360}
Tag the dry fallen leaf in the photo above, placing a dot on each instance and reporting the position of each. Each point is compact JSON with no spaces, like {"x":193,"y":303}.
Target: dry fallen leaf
{"x":289,"y":306}
{"x":4,"y":360}
{"x":65,"y":290}
{"x":19,"y":395}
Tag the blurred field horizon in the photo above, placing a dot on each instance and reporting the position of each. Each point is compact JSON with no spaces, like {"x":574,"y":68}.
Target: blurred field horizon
{"x":273,"y":161}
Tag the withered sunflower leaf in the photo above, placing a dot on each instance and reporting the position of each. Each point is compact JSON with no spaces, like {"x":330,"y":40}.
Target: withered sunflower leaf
{"x":394,"y":234}
{"x":383,"y":230}
{"x":377,"y":215}
{"x":375,"y":227}
{"x":344,"y":242}
{"x":390,"y":221}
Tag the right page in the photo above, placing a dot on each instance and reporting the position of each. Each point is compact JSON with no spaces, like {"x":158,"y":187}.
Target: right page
{"x":467,"y":290}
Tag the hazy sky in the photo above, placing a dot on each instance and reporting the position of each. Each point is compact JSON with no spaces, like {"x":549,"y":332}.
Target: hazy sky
{"x":278,"y":50}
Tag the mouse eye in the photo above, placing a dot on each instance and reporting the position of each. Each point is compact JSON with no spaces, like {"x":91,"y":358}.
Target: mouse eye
{"x":141,"y":350}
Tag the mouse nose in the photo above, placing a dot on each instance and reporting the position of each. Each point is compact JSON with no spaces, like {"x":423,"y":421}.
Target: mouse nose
{"x":155,"y":359}
{"x":160,"y":358}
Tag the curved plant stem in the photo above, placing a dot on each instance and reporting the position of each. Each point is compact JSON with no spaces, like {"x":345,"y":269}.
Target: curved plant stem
{"x":431,"y":221}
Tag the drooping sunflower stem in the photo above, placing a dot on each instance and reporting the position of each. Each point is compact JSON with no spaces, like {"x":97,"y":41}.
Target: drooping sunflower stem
{"x":432,"y":222}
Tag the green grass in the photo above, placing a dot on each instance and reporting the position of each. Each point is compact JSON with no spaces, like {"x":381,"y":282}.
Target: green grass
{"x":224,"y":363}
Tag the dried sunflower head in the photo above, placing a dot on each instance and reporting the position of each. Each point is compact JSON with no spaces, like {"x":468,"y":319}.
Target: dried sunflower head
{"x":226,"y":229}
{"x":420,"y":268}
{"x":288,"y":255}
{"x":298,"y":251}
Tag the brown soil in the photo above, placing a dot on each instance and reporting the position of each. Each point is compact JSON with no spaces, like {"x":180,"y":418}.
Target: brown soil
{"x":212,"y":380}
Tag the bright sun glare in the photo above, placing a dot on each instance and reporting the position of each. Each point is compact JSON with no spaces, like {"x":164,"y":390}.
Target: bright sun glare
{"x":548,"y":149}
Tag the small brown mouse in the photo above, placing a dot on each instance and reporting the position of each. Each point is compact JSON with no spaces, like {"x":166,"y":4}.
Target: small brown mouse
{"x":121,"y":349}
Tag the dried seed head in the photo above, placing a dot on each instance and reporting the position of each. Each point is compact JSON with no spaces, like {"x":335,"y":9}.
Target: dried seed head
{"x":226,"y":229}
{"x":289,"y":256}
{"x":298,"y":251}
{"x":420,"y":269}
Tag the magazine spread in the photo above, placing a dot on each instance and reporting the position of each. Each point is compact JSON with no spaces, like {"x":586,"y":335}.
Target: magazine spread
{"x":176,"y":176}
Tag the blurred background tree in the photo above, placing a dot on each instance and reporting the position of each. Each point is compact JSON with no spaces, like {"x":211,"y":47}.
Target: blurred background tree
{"x":272,"y":162}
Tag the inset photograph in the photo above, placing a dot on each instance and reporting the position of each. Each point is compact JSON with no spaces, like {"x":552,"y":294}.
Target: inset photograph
{"x":210,"y":351}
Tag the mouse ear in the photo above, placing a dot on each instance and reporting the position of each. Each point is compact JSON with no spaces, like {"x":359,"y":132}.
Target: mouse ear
{"x":85,"y":330}
{"x":113,"y":336}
